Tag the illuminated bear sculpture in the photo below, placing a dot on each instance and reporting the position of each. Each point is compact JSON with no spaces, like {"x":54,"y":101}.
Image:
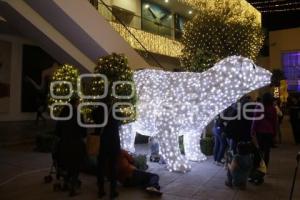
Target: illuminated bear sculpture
{"x":171,"y":104}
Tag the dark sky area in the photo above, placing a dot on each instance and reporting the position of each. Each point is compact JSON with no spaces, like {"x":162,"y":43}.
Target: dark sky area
{"x":278,"y":14}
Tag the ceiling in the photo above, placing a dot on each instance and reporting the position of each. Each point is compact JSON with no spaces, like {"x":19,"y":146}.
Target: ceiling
{"x":278,"y":14}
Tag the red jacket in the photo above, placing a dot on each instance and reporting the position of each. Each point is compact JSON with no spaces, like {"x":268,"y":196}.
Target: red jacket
{"x":125,"y":166}
{"x":267,"y":125}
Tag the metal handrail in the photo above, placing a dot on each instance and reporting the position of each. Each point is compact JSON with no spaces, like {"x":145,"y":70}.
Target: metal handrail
{"x":127,"y":29}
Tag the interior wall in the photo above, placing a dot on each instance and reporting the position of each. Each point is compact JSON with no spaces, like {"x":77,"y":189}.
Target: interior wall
{"x":264,"y":62}
{"x":283,"y":41}
{"x":14,"y":108}
{"x":133,"y":6}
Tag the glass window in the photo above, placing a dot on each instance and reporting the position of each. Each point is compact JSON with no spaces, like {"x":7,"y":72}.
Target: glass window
{"x":291,"y":65}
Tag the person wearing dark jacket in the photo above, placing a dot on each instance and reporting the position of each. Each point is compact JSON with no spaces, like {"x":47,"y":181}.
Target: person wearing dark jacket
{"x":239,"y":128}
{"x":109,"y":150}
{"x":295,"y":118}
{"x":220,"y":141}
{"x":71,"y":147}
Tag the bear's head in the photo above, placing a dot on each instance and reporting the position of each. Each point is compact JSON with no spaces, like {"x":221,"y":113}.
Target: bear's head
{"x":239,"y":75}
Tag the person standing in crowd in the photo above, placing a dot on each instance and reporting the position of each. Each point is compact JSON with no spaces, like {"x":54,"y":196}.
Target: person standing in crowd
{"x":220,"y":141}
{"x":295,"y":118}
{"x":245,"y":122}
{"x":130,"y":176}
{"x":240,"y":166}
{"x":231,"y":129}
{"x":264,"y":129}
{"x":109,"y":150}
{"x":239,"y":127}
{"x":279,"y":121}
{"x":71,"y":147}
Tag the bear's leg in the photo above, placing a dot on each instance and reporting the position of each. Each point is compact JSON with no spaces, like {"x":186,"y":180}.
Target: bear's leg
{"x":169,"y":142}
{"x":127,"y":137}
{"x":169,"y":149}
{"x":192,"y":147}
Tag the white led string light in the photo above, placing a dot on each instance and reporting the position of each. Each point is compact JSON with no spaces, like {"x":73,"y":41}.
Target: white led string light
{"x":171,"y":104}
{"x":290,"y":4}
{"x":267,"y":2}
{"x":280,"y":10}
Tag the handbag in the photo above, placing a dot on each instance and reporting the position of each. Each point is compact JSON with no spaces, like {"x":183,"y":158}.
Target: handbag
{"x":262,"y":166}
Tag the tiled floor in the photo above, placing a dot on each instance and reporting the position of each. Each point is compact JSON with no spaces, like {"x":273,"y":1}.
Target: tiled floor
{"x":22,"y":172}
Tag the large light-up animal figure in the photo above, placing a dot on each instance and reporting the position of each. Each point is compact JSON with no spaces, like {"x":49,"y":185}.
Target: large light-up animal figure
{"x":171,"y":104}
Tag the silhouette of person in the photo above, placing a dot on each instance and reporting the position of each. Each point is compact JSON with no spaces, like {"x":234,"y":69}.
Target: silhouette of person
{"x":109,"y":150}
{"x":71,"y":148}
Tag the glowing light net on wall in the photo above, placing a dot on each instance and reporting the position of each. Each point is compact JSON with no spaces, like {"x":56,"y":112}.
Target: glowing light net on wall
{"x":171,"y":104}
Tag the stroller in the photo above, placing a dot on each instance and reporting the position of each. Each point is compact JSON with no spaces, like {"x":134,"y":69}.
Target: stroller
{"x":58,"y":170}
{"x":55,"y":168}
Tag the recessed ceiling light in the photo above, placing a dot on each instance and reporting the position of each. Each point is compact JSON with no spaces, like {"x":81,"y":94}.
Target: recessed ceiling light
{"x":147,"y":6}
{"x":166,"y":1}
{"x":190,"y":12}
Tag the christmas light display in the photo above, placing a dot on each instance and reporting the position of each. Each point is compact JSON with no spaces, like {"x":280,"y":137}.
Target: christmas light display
{"x":68,"y":74}
{"x":90,"y":88}
{"x":221,"y":28}
{"x":115,"y":67}
{"x":172,"y":104}
{"x":272,"y":6}
{"x":248,"y":9}
{"x":153,"y":43}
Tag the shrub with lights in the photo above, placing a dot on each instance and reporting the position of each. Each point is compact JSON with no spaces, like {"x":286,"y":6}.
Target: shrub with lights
{"x":68,"y":74}
{"x":117,"y":70}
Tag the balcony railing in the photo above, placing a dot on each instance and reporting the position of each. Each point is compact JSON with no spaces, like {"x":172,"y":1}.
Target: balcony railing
{"x":159,"y":40}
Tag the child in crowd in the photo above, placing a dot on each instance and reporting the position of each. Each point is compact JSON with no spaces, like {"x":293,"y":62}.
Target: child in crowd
{"x":240,"y":166}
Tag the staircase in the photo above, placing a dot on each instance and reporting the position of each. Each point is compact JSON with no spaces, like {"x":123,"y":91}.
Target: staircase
{"x":70,"y":31}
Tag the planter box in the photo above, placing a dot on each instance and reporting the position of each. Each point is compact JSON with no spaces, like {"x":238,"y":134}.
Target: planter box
{"x":207,"y":145}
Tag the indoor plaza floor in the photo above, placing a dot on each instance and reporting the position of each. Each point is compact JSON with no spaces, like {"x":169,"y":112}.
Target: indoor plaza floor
{"x":22,"y":171}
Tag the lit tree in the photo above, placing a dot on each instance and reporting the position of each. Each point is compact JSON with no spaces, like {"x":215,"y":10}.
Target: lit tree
{"x":221,"y":28}
{"x":116,"y":68}
{"x":67,"y":73}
